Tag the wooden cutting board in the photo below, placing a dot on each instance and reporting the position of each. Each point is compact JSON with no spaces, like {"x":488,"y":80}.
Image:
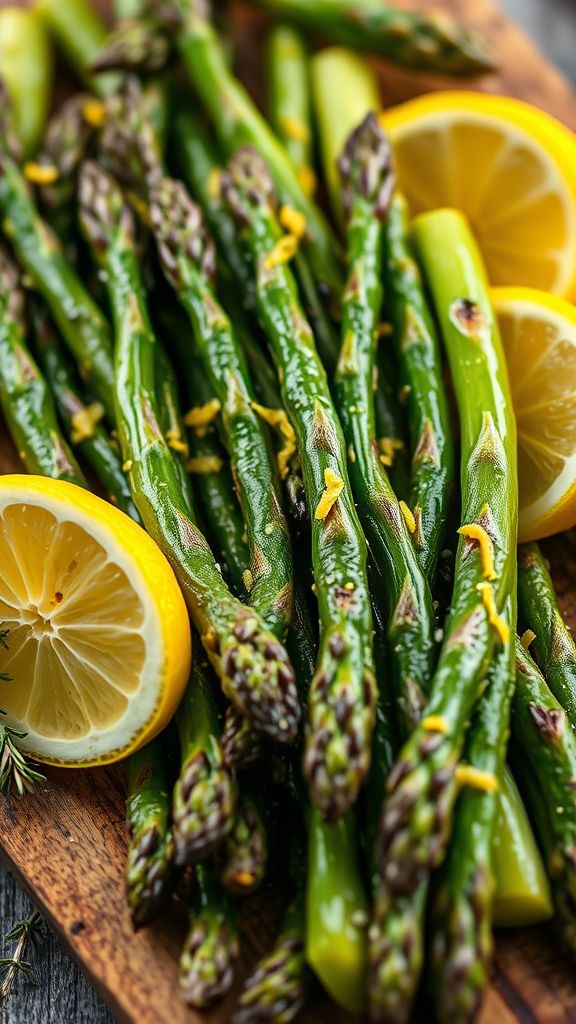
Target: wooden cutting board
{"x":66,"y":841}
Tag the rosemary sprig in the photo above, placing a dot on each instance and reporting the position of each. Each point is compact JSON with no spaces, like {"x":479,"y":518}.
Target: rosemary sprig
{"x":14,"y":768}
{"x":25,"y":933}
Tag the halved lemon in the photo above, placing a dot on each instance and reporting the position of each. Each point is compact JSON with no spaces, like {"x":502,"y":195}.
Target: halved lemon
{"x":98,"y":636}
{"x":539,"y":336}
{"x":509,"y":167}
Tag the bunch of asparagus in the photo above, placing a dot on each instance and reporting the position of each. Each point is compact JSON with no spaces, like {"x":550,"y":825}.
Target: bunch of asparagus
{"x":227,"y":364}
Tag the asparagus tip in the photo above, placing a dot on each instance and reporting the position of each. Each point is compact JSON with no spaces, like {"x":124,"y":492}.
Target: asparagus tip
{"x":203,"y":807}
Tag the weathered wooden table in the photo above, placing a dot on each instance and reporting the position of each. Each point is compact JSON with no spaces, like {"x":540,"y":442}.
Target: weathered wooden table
{"x":62,"y":994}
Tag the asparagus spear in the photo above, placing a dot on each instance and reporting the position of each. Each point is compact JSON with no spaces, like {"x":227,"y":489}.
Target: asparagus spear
{"x":417,"y":816}
{"x":243,"y":857}
{"x":241,"y":744}
{"x":553,"y":646}
{"x":150,"y":853}
{"x":420,"y":362}
{"x":367,"y":179}
{"x":211,"y":947}
{"x":288,"y":99}
{"x":135,"y":45}
{"x":205,"y":793}
{"x":342,"y":695}
{"x":188,"y":260}
{"x":81,"y":419}
{"x":412,"y":39}
{"x":253,"y":667}
{"x":522,"y":894}
{"x":210,"y":470}
{"x":278,"y":987}
{"x":238,"y":122}
{"x":544,"y":754}
{"x":345,"y":90}
{"x":26,"y":68}
{"x":81,"y":324}
{"x":68,"y":137}
{"x":461,"y":930}
{"x":80,"y":34}
{"x":25,"y":397}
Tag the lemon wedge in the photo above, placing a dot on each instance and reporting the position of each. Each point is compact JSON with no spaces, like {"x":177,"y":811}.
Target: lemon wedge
{"x":539,"y":336}
{"x":509,"y":167}
{"x":98,"y":640}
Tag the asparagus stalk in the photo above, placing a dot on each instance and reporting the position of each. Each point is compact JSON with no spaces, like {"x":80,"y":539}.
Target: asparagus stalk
{"x":277,"y":989}
{"x":420,"y":362}
{"x":342,"y":697}
{"x":211,"y":948}
{"x":212,"y":479}
{"x":68,"y":137}
{"x":25,"y":397}
{"x":243,"y":858}
{"x":81,"y":324}
{"x":205,"y":794}
{"x":253,"y":667}
{"x":461,"y":932}
{"x":522,"y":894}
{"x":81,"y":419}
{"x":412,"y":39}
{"x":241,"y":744}
{"x":80,"y":34}
{"x":288,"y":99}
{"x":238,"y":122}
{"x":151,"y":850}
{"x":337,"y":911}
{"x":134,"y":45}
{"x":345,"y":91}
{"x":368,"y":182}
{"x":417,"y":817}
{"x":553,"y":646}
{"x":188,"y":260}
{"x":544,"y":755}
{"x":26,"y":68}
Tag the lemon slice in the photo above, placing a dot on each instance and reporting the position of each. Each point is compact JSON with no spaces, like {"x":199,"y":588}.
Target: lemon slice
{"x":539,"y":336}
{"x":508,"y":166}
{"x":98,"y":642}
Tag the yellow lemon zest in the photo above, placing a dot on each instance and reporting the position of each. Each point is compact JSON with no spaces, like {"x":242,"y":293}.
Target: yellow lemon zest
{"x":384,"y":329}
{"x":202,"y":415}
{"x":349,"y":585}
{"x":408,"y":516}
{"x":84,"y":422}
{"x":495,"y":620}
{"x":94,"y":113}
{"x":468,"y":775}
{"x":294,"y":128}
{"x":435,"y":723}
{"x":293,"y":221}
{"x":41,"y":174}
{"x":278,"y":419}
{"x":247,"y":578}
{"x":204,"y":464}
{"x":473,"y":531}
{"x":307,"y":179}
{"x":284,"y":251}
{"x":176,"y":443}
{"x":214,"y":183}
{"x":527,"y":638}
{"x":334,"y":486}
{"x":127,"y":466}
{"x":388,"y":446}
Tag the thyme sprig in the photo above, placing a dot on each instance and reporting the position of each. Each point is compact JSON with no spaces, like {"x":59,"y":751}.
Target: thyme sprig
{"x":25,"y":934}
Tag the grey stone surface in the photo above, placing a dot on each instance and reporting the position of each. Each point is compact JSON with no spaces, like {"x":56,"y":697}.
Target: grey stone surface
{"x":63,"y":995}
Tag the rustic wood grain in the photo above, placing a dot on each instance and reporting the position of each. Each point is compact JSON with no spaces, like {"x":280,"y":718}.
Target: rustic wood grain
{"x":66,"y":842}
